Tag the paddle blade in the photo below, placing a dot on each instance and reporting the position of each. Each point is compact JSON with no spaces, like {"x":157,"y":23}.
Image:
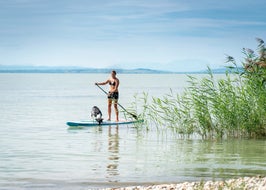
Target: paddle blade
{"x":134,"y":116}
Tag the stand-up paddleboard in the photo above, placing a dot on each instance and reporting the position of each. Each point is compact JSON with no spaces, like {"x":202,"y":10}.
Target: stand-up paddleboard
{"x":95,"y":123}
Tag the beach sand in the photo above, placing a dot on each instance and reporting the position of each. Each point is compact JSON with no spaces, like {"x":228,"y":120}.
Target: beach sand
{"x":245,"y":183}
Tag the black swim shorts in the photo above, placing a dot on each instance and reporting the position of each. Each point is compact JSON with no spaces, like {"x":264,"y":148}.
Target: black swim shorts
{"x":113,"y":95}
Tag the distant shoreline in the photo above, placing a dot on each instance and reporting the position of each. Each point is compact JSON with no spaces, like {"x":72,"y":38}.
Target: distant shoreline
{"x":46,"y":69}
{"x":61,"y":72}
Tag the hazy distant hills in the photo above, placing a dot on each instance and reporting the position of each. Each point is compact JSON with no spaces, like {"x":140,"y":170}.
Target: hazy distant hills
{"x":74,"y":69}
{"x":70,"y":69}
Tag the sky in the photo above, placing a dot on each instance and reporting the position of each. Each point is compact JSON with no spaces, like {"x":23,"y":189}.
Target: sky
{"x":172,"y":35}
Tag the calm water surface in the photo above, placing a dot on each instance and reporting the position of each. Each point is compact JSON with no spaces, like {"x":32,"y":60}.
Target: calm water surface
{"x":38,"y":151}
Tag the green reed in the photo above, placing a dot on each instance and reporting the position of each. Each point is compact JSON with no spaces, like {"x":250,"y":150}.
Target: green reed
{"x":234,"y":106}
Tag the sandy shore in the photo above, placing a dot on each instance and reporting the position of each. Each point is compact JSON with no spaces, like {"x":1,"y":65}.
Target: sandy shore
{"x":247,"y":183}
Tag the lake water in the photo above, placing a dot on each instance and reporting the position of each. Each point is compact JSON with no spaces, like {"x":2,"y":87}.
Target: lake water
{"x":38,"y":150}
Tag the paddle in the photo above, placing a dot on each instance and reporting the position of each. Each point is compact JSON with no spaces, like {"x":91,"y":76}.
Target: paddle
{"x":133,"y":115}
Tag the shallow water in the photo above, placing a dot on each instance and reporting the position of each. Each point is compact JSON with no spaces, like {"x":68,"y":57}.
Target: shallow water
{"x":38,"y":151}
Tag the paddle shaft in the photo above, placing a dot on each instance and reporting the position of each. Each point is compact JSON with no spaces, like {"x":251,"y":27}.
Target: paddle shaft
{"x":133,"y":115}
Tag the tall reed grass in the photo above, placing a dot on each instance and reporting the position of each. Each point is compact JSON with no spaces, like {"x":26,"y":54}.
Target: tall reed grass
{"x":234,"y":106}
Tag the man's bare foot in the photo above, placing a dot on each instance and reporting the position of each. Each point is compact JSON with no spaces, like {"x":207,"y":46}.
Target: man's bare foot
{"x":108,"y":119}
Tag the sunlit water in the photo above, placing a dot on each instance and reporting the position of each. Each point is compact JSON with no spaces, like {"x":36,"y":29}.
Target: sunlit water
{"x":38,"y":150}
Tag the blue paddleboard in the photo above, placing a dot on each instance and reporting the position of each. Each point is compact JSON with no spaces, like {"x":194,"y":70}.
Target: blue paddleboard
{"x":91,"y":123}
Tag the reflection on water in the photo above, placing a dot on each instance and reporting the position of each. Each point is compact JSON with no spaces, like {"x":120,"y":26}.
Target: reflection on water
{"x":113,"y":153}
